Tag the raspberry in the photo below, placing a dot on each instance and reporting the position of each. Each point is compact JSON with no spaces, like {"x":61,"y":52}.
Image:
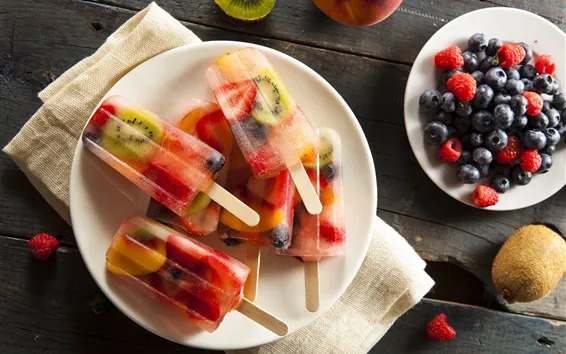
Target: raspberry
{"x":463,"y":86}
{"x":449,"y":58}
{"x":485,"y":196}
{"x":42,"y":245}
{"x":534,"y":102}
{"x":510,"y":55}
{"x":450,"y":151}
{"x":530,"y":161}
{"x":545,"y":64}
{"x":511,"y":151}
{"x":438,"y":329}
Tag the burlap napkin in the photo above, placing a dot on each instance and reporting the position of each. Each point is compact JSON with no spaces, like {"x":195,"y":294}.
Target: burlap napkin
{"x":391,"y":279}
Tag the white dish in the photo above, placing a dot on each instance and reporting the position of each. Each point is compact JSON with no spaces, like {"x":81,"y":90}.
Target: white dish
{"x":509,"y":25}
{"x":101,"y":199}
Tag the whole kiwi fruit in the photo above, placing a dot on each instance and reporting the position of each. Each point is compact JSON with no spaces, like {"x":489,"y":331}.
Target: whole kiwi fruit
{"x":530,"y":264}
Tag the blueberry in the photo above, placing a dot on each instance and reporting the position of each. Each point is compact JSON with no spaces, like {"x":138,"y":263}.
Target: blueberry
{"x":520,"y":122}
{"x":545,"y":164}
{"x":486,"y":64}
{"x":482,"y":156}
{"x":559,"y":102}
{"x":448,"y":102}
{"x":503,"y":116}
{"x":500,"y":183}
{"x":483,"y":97}
{"x":546,"y":104}
{"x":476,"y":139}
{"x":496,"y":140}
{"x":463,"y":109}
{"x":519,"y":176}
{"x":527,"y":71}
{"x":255,"y":128}
{"x":478,"y":76}
{"x":279,"y":237}
{"x":543,"y":83}
{"x":528,"y":84}
{"x":549,"y":150}
{"x":514,"y":87}
{"x":430,"y":100}
{"x":175,"y":272}
{"x":471,"y":62}
{"x":555,"y":88}
{"x":561,"y":127}
{"x":519,"y":105}
{"x":500,"y":98}
{"x":553,"y":117}
{"x":502,"y":170}
{"x":540,"y":121}
{"x":552,"y":136}
{"x":448,"y":74}
{"x":493,"y":46}
{"x":462,"y":124}
{"x":534,"y":139}
{"x":230,"y":241}
{"x":483,"y":121}
{"x":468,"y":174}
{"x":484,"y":170}
{"x":91,"y":135}
{"x":329,"y":172}
{"x":452,"y":131}
{"x":465,"y":157}
{"x":435,"y":133}
{"x":215,"y":162}
{"x":528,"y":52}
{"x":477,"y":43}
{"x":512,"y":74}
{"x":496,"y":78}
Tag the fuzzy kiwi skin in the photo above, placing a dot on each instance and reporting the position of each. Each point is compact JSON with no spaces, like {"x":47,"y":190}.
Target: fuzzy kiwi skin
{"x":530,"y":264}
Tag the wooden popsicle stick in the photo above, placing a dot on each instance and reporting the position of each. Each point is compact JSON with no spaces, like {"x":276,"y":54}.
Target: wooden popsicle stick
{"x":264,"y":318}
{"x":252,"y":260}
{"x":312,"y":287}
{"x":305,"y":188}
{"x":232,"y":204}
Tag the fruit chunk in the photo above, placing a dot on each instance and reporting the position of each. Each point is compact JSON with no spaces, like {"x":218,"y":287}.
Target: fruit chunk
{"x":213,"y":129}
{"x":272,"y":190}
{"x":273,"y":96}
{"x":202,"y":223}
{"x":165,"y":172}
{"x":246,"y":10}
{"x":324,"y":155}
{"x":269,"y":217}
{"x":240,"y":97}
{"x":136,"y":254}
{"x":200,"y":202}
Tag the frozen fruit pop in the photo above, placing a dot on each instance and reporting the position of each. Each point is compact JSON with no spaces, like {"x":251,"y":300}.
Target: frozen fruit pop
{"x":201,"y":283}
{"x":171,"y":166}
{"x":272,"y":131}
{"x":323,"y":235}
{"x":204,"y":120}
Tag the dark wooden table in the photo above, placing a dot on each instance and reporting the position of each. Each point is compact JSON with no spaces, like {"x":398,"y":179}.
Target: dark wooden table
{"x":55,"y":306}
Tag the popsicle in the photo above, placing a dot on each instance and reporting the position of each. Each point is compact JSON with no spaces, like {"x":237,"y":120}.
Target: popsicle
{"x":169,"y":165}
{"x":270,"y":128}
{"x":323,"y":235}
{"x":205,"y":121}
{"x":199,"y":282}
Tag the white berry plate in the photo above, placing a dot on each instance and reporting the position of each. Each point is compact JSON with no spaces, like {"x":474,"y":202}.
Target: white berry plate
{"x":509,"y":25}
{"x":101,"y":198}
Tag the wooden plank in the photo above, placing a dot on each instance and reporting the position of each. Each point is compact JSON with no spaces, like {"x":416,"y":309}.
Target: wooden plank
{"x":55,"y":306}
{"x":398,"y":38}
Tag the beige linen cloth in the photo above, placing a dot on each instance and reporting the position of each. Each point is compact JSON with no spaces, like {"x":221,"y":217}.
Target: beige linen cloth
{"x":391,"y":279}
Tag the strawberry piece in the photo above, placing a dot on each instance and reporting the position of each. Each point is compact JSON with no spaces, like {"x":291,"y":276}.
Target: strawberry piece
{"x":534,"y":103}
{"x":449,"y":58}
{"x":102,"y":115}
{"x":510,"y":54}
{"x":213,"y":129}
{"x":165,"y":177}
{"x":276,"y":189}
{"x":259,"y":162}
{"x":240,"y":96}
{"x":545,"y":64}
{"x":450,"y":150}
{"x":463,"y":86}
{"x":485,"y":196}
{"x":312,"y":176}
{"x":331,"y":233}
{"x":438,"y":329}
{"x":530,"y":161}
{"x":510,"y":152}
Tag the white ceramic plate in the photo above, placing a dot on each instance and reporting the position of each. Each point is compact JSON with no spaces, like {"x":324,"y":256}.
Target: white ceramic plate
{"x":101,"y":199}
{"x":509,"y":25}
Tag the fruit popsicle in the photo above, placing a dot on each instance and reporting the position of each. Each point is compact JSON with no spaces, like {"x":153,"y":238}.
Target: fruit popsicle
{"x":169,"y":165}
{"x":201,"y":283}
{"x":270,"y":128}
{"x":205,"y":121}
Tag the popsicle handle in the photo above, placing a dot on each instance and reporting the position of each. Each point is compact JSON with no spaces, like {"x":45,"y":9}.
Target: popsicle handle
{"x":305,"y":188}
{"x":264,"y":318}
{"x":312,"y":287}
{"x":232,"y":204}
{"x":252,"y":260}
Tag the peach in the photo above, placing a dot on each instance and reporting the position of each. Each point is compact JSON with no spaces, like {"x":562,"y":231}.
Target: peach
{"x":131,"y":256}
{"x":358,"y":12}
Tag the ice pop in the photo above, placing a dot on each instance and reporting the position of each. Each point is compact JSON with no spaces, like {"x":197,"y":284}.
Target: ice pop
{"x":171,"y":166}
{"x":323,"y":235}
{"x":272,"y":131}
{"x":204,"y":120}
{"x":201,"y":283}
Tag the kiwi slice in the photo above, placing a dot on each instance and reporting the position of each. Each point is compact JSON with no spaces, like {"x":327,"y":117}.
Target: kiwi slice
{"x":200,"y":202}
{"x":324,"y":155}
{"x":132,"y":140}
{"x":246,"y":10}
{"x":275,"y":97}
